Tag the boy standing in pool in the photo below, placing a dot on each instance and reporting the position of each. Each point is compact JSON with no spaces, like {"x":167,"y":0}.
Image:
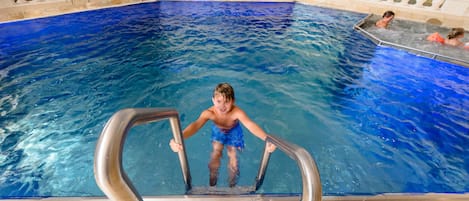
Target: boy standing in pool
{"x":226,"y":130}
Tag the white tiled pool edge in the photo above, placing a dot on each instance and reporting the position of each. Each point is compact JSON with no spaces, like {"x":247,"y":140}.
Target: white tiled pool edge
{"x":381,"y":197}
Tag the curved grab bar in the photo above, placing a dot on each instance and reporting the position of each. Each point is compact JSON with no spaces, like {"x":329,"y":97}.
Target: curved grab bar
{"x":109,"y":173}
{"x":312,"y":190}
{"x":113,"y":181}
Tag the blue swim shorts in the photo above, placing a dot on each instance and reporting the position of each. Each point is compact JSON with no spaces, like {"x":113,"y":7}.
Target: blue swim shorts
{"x":232,"y":137}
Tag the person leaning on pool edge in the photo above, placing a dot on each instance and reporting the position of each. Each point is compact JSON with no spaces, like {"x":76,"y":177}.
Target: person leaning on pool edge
{"x":453,"y":38}
{"x":388,"y":16}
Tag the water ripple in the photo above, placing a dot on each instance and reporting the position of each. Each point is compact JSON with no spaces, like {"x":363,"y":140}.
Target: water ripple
{"x":374,"y":121}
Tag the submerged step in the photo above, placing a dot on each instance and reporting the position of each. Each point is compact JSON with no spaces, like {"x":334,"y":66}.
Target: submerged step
{"x":210,"y":190}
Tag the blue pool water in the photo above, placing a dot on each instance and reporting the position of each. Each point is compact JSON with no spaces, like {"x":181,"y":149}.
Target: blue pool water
{"x":375,"y":119}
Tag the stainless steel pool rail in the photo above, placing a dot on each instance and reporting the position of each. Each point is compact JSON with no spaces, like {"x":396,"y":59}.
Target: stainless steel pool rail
{"x":109,"y":173}
{"x":132,"y":117}
{"x":433,"y":55}
{"x":113,"y":181}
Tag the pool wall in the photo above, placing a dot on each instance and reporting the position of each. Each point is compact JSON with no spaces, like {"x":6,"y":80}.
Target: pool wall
{"x":448,"y":13}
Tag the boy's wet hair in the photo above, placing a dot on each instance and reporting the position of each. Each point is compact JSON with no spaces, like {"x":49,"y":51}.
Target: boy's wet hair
{"x":225,"y":90}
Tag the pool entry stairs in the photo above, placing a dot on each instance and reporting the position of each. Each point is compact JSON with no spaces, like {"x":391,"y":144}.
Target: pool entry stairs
{"x":113,"y":181}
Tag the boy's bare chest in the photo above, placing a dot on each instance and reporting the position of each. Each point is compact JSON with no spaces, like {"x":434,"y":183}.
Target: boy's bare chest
{"x":225,"y":122}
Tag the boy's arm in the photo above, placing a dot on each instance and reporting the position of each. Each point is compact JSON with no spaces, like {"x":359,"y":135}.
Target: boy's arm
{"x":251,"y":125}
{"x":254,"y":128}
{"x":190,"y":130}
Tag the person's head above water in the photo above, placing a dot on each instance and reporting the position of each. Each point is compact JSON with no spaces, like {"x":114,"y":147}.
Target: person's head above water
{"x":223,"y":98}
{"x":388,"y":16}
{"x":456,"y":33}
{"x":454,"y":37}
{"x":225,"y":90}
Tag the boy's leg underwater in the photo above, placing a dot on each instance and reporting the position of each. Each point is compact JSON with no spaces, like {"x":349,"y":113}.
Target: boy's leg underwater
{"x":233,"y":166}
{"x":214,"y":164}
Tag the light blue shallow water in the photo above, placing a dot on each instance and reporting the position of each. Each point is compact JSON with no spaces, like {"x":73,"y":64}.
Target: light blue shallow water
{"x":375,"y":119}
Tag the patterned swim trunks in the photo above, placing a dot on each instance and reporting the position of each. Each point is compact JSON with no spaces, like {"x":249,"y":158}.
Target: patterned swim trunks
{"x":231,"y":137}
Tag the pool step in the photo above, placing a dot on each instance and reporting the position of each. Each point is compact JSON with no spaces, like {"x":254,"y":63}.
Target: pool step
{"x":206,"y":190}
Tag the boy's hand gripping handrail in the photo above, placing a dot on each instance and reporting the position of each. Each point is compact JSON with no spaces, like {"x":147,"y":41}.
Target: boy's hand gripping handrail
{"x":113,"y":181}
{"x":312,"y":190}
{"x":109,"y":173}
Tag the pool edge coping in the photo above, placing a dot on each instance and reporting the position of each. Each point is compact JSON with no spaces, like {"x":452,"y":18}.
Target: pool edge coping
{"x":278,"y":197}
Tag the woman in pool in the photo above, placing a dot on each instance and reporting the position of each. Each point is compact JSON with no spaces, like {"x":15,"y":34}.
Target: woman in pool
{"x":388,"y":16}
{"x":454,"y":38}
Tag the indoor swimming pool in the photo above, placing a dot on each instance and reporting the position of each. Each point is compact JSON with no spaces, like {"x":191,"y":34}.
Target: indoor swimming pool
{"x":376,"y":119}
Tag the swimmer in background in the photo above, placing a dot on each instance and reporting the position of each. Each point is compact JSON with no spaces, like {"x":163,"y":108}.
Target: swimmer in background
{"x":388,"y":16}
{"x":453,"y":38}
{"x":226,"y":131}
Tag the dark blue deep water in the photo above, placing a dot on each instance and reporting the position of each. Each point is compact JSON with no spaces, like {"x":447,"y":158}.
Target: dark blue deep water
{"x":376,"y":119}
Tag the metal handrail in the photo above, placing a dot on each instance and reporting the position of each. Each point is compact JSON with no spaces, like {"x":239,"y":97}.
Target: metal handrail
{"x":113,"y":181}
{"x":109,"y":173}
{"x":312,"y":190}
